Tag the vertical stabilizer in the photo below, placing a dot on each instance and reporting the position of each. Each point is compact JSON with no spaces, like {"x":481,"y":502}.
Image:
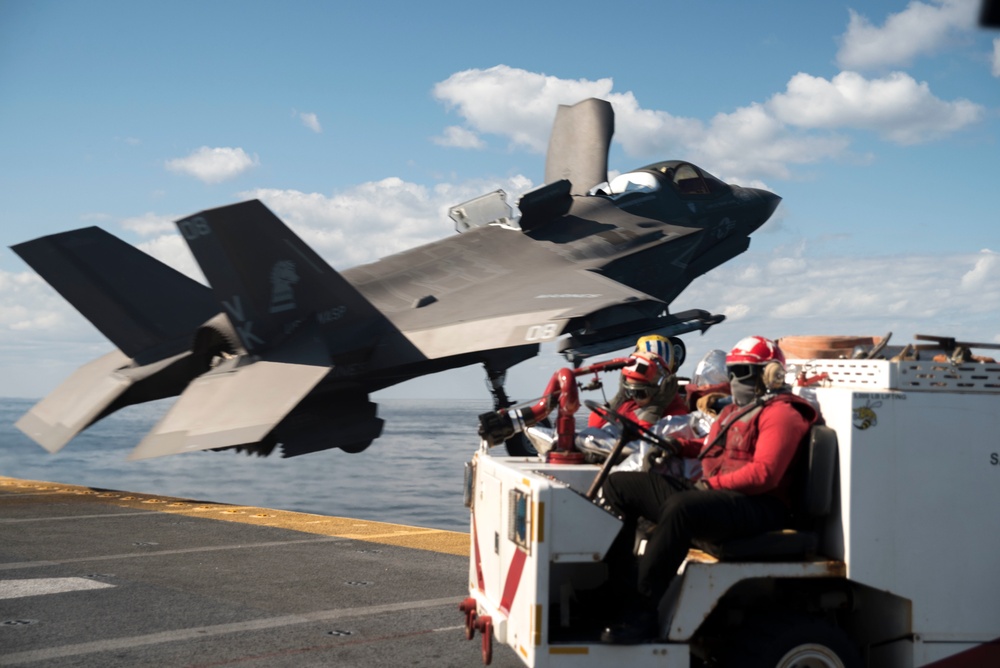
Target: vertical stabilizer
{"x":146,"y":308}
{"x":270,"y":283}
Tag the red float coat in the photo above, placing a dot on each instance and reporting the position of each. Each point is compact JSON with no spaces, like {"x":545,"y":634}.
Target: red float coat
{"x":756,"y":451}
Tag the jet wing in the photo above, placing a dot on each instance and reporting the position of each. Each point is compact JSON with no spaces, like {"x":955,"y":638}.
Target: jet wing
{"x":212,"y":411}
{"x":533,"y":308}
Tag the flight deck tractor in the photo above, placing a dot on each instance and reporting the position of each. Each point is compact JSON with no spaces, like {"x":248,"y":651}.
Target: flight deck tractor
{"x":893,"y":560}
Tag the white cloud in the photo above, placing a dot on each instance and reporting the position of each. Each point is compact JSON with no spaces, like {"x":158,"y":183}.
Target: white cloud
{"x":378,"y":218}
{"x":985,"y":273}
{"x":841,"y":295}
{"x":214,"y":165}
{"x":459,"y":137}
{"x":920,"y":28}
{"x":30,"y":309}
{"x":172,"y":250}
{"x":514,"y":103}
{"x":149,"y":224}
{"x":311,"y":121}
{"x":895,"y":106}
{"x":744,"y":145}
{"x":954,"y":295}
{"x":995,"y":69}
{"x":748,"y":145}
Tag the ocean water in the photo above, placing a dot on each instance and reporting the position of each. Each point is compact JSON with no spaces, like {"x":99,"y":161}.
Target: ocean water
{"x":412,"y":475}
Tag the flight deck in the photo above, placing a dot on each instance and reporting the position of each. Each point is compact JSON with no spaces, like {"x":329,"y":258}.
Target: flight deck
{"x":93,"y":577}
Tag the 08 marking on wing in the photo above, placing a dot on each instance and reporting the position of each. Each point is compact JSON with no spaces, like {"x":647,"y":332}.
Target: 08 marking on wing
{"x":543,"y":332}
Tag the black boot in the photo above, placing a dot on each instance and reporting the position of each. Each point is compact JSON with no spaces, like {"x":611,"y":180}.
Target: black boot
{"x":638,"y":624}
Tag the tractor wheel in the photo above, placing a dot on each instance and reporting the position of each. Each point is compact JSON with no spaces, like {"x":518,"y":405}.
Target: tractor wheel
{"x":792,"y":642}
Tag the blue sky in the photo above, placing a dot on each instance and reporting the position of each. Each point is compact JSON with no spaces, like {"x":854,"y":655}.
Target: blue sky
{"x":877,"y":122}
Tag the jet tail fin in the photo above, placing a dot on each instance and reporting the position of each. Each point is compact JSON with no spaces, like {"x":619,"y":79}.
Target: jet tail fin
{"x":271,"y":283}
{"x":146,"y":308}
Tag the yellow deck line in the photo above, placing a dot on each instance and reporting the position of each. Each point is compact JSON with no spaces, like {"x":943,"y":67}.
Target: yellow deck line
{"x":421,"y":538}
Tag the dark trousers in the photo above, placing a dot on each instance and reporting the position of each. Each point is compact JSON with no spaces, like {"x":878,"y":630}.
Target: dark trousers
{"x":681,"y":514}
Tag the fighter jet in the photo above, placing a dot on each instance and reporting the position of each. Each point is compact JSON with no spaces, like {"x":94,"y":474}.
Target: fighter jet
{"x":284,"y":351}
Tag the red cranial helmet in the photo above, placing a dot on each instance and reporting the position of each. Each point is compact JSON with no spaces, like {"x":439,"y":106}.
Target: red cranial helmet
{"x":756,"y":357}
{"x":643,"y":375}
{"x":644,"y":368}
{"x":755,"y":350}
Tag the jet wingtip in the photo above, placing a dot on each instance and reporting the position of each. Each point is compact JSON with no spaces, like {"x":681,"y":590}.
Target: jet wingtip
{"x":52,"y":437}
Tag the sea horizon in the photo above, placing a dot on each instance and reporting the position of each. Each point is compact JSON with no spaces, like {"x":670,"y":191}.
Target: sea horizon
{"x":413,"y":474}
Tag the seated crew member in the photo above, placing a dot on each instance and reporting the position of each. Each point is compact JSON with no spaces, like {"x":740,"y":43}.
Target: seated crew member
{"x":746,"y":458}
{"x":648,"y":387}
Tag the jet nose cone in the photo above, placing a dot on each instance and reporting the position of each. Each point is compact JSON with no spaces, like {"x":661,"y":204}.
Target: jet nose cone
{"x":759,"y":205}
{"x":769,"y":199}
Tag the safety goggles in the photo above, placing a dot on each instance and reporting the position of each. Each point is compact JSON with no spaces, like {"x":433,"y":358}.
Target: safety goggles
{"x":741,"y":372}
{"x":639,"y":392}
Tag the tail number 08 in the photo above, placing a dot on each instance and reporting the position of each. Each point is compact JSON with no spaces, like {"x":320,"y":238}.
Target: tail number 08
{"x":541,"y":332}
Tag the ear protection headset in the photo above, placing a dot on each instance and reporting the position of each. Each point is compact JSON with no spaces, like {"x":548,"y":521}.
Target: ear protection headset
{"x":773,"y":375}
{"x":764,"y":353}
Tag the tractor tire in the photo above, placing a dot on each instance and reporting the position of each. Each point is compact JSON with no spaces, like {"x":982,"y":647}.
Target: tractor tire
{"x":790,"y":641}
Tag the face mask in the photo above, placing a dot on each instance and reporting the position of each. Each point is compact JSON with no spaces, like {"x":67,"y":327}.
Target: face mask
{"x":744,"y":391}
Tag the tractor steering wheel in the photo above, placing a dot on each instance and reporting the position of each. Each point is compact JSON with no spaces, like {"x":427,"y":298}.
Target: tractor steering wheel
{"x":626,"y":423}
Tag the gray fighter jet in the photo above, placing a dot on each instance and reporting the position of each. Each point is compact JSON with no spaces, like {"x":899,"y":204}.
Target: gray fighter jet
{"x":282,"y":350}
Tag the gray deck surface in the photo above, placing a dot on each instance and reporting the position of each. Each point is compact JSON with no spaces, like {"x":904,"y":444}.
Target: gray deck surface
{"x":103,"y":578}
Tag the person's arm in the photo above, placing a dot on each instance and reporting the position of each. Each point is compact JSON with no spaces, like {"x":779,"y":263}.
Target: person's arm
{"x":692,"y":447}
{"x":780,"y":429}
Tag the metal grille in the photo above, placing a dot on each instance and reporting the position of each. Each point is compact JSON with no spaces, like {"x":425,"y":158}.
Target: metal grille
{"x":912,"y":376}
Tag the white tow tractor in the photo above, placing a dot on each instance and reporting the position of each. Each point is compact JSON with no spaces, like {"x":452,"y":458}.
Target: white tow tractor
{"x":895,"y":565}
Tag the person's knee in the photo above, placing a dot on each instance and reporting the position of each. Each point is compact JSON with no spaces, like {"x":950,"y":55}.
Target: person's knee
{"x":679,"y":510}
{"x":618,"y":489}
{"x":612,"y":493}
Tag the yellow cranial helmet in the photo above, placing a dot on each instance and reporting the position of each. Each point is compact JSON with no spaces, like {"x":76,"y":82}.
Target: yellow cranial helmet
{"x":658,"y":345}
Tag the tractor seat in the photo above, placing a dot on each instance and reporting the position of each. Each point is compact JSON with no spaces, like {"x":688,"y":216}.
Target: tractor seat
{"x":814,"y":500}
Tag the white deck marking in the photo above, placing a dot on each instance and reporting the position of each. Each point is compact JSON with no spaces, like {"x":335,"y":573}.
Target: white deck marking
{"x":158,"y":553}
{"x":102,"y":516}
{"x":199,"y":632}
{"x":42,"y":586}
